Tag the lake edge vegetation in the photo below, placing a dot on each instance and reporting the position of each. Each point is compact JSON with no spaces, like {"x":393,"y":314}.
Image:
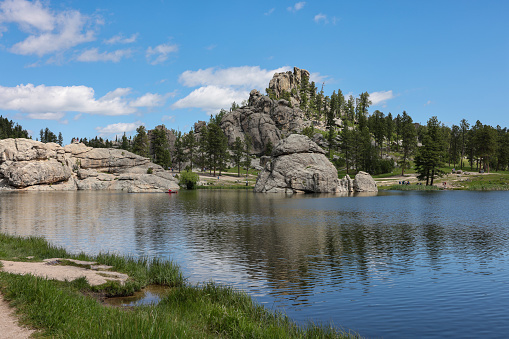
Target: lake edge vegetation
{"x":68,"y":309}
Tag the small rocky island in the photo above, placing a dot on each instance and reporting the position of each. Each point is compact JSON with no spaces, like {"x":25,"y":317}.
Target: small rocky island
{"x":32,"y":165}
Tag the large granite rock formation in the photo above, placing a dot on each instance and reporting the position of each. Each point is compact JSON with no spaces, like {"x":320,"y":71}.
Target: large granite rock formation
{"x":32,"y":165}
{"x":288,"y":82}
{"x":264,"y":120}
{"x":299,"y":165}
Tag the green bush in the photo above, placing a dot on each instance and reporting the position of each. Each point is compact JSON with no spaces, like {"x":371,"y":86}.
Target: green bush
{"x":188,"y":179}
{"x":150,"y":170}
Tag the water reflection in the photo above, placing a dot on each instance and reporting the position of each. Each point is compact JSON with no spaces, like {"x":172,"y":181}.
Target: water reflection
{"x":406,"y":261}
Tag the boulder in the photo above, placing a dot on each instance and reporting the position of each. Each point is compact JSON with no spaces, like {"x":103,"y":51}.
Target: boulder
{"x":364,"y":183}
{"x":297,"y":165}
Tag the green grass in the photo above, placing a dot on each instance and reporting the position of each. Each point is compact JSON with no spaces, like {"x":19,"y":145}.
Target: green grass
{"x":65,"y":309}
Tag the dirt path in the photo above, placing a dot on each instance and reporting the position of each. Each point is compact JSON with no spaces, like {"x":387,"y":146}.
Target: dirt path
{"x":9,"y":327}
{"x":49,"y":269}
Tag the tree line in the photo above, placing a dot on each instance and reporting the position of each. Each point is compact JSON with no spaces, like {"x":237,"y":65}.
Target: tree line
{"x":9,"y":129}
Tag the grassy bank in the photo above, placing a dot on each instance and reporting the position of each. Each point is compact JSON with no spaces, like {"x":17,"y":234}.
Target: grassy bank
{"x":71,"y":309}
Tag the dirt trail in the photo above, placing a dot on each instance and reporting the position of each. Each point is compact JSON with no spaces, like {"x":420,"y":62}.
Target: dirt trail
{"x":9,"y":327}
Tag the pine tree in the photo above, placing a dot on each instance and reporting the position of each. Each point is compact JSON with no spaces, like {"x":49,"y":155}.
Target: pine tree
{"x":430,"y":156}
{"x":140,"y":142}
{"x":190,"y":145}
{"x":408,"y":140}
{"x":238,"y":152}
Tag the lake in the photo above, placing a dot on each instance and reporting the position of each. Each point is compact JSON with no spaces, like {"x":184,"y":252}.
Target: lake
{"x":394,"y":265}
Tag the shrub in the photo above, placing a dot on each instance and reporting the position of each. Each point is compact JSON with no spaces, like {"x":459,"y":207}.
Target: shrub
{"x":188,"y":179}
{"x":150,"y":170}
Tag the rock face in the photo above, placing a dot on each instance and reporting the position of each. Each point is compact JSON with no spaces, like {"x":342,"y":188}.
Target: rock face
{"x":298,"y":165}
{"x":288,"y":81}
{"x":264,"y":121}
{"x":32,"y":165}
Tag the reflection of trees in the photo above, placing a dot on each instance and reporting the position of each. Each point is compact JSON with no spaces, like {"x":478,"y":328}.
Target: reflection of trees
{"x":295,"y":243}
{"x":296,"y":248}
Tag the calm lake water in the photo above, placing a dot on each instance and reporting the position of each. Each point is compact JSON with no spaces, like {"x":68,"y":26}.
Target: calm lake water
{"x":395,"y":265}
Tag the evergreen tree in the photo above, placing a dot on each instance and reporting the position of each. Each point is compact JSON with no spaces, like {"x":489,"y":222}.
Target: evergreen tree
{"x":161,"y":148}
{"x":190,"y":145}
{"x":464,"y":125}
{"x":125,"y":143}
{"x":201,"y":158}
{"x":408,"y":140}
{"x":389,"y":129}
{"x":140,"y":142}
{"x":486,"y":140}
{"x":10,"y":130}
{"x":378,"y":128}
{"x":430,"y":156}
{"x":238,"y":153}
{"x":179,"y":156}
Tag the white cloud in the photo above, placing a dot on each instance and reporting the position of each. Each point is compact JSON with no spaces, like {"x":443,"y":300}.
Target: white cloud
{"x":429,"y":102}
{"x":297,"y":7}
{"x":58,"y":99}
{"x":119,"y":39}
{"x":211,"y":98}
{"x":149,"y":100}
{"x":93,"y":55}
{"x":66,"y":34}
{"x":270,"y":11}
{"x":321,"y":18}
{"x":160,"y":53}
{"x":27,"y":15}
{"x":245,"y":76}
{"x":318,"y":79}
{"x":118,"y":128}
{"x":46,"y":116}
{"x":381,"y":97}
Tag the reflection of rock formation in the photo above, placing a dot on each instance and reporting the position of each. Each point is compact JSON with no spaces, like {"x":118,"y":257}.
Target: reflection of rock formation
{"x":32,"y":165}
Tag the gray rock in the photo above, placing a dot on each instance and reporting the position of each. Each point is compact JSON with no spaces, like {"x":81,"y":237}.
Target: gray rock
{"x":297,"y":165}
{"x":32,"y":165}
{"x":263,"y":120}
{"x":288,"y":81}
{"x":364,"y":183}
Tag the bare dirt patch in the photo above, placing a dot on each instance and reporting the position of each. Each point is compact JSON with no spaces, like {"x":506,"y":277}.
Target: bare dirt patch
{"x":52,"y":269}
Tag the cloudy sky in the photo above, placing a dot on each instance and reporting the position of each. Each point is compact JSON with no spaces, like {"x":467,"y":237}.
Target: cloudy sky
{"x":87,"y":68}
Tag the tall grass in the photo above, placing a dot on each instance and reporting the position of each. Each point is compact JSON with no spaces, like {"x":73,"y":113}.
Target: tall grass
{"x":63,"y":309}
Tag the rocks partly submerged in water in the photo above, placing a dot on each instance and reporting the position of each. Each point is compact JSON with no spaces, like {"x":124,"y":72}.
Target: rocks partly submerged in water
{"x":32,"y":165}
{"x":299,"y":165}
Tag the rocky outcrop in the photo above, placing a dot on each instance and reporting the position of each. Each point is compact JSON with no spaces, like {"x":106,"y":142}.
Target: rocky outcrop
{"x":289,"y":82}
{"x":298,"y":165}
{"x":32,"y":165}
{"x":264,"y":121}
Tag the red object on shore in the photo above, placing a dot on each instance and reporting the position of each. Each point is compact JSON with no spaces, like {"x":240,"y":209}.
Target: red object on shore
{"x":170,"y":191}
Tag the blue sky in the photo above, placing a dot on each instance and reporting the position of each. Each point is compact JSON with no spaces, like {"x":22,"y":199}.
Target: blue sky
{"x":87,"y":68}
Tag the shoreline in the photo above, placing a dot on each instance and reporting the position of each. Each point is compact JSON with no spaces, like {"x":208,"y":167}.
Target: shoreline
{"x":69,"y":308}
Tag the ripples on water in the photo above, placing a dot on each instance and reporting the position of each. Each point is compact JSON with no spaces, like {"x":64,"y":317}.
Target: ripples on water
{"x":400,"y":264}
